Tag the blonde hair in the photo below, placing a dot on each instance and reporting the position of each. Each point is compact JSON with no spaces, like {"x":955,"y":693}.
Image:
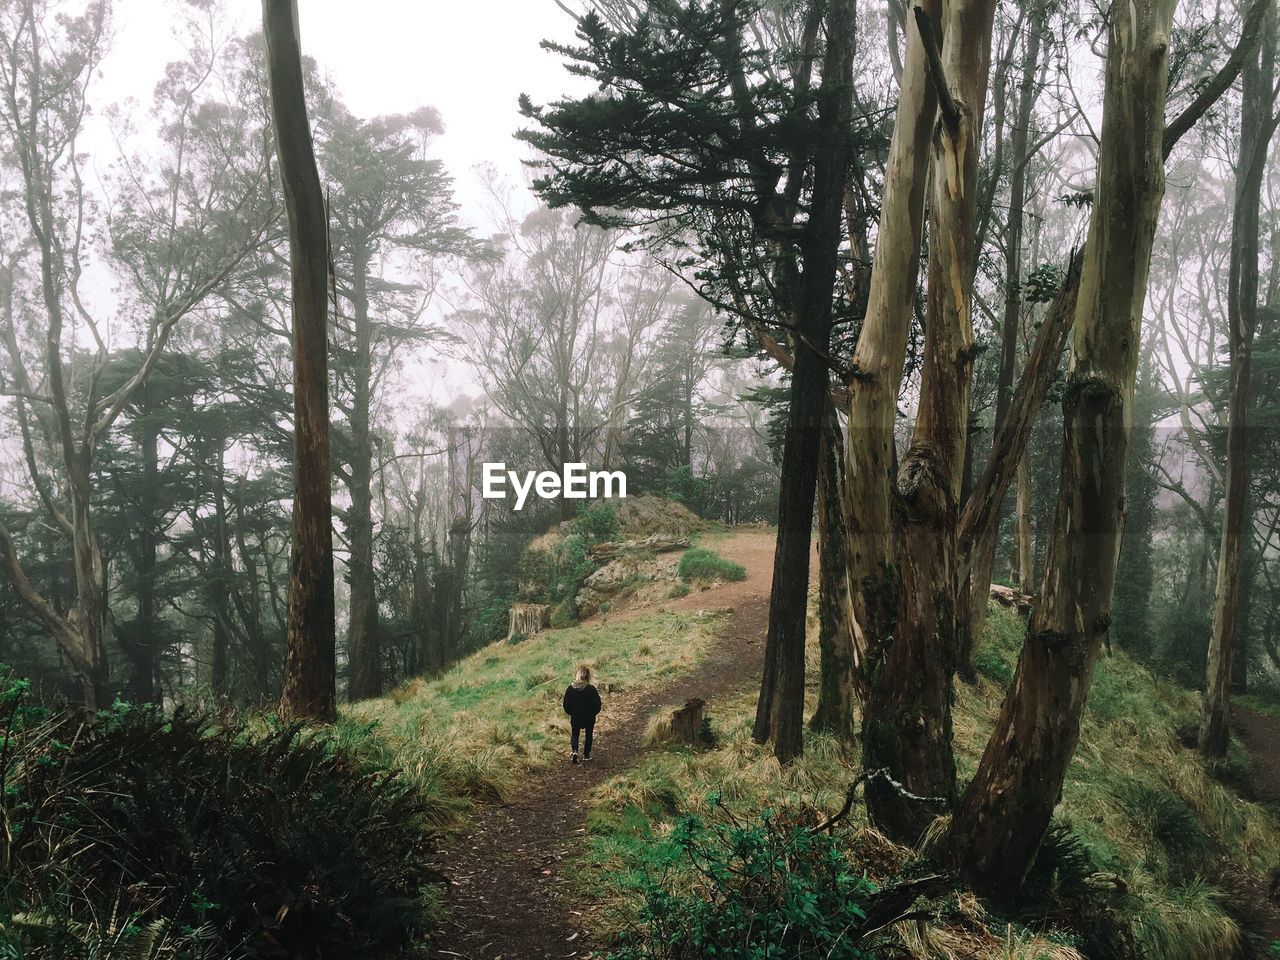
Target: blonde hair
{"x":583,"y":673}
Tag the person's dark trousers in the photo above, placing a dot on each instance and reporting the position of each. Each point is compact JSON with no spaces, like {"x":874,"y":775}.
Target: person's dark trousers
{"x":586,"y":746}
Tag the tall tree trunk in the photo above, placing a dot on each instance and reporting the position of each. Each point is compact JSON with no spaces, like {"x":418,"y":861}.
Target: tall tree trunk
{"x":309,"y":669}
{"x":459,"y":552}
{"x":364,"y":653}
{"x":90,"y":612}
{"x":1006,"y":809}
{"x":907,"y":724}
{"x":220,"y":674}
{"x":870,"y":464}
{"x":780,"y":709}
{"x":1011,"y":327}
{"x":1023,"y":537}
{"x":1009,"y":444}
{"x":1256,"y":127}
{"x":145,"y":642}
{"x":423,"y":649}
{"x":1241,"y":656}
{"x":838,"y":690}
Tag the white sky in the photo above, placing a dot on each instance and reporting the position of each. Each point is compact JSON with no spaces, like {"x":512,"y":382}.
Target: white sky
{"x":469,"y":60}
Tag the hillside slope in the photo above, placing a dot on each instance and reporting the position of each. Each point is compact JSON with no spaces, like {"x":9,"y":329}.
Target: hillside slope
{"x":1152,"y":855}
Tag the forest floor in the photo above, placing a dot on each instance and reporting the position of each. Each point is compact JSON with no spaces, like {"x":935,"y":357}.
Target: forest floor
{"x":515,"y":874}
{"x":508,"y":896}
{"x":1260,"y":733}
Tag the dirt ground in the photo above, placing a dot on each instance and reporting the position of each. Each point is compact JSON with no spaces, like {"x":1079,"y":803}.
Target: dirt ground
{"x":1261,"y":736}
{"x":507,"y":894}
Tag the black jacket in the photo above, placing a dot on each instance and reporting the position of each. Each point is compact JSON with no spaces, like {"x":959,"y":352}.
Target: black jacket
{"x":582,"y":703}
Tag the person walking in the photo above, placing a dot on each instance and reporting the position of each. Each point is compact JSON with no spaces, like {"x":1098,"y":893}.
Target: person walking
{"x":582,"y":704}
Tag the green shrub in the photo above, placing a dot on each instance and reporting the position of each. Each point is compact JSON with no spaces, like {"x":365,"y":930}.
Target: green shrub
{"x":238,"y":844}
{"x":745,"y":891}
{"x":597,"y":523}
{"x":1235,"y":769}
{"x":682,"y":486}
{"x":993,"y":666}
{"x":698,"y":563}
{"x":564,"y":614}
{"x":572,"y":567}
{"x":1171,"y":822}
{"x":490,"y":623}
{"x":555,"y":576}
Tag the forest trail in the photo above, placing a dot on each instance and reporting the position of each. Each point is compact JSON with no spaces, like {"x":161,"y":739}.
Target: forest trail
{"x":507,"y":896}
{"x":1260,"y":734}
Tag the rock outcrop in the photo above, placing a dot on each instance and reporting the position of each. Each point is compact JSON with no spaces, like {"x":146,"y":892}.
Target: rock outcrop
{"x":627,"y":573}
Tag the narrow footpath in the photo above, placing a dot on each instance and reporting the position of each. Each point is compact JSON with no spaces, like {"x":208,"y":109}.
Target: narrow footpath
{"x":508,"y":897}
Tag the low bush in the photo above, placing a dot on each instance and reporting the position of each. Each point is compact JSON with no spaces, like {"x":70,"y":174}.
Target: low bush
{"x":597,"y":523}
{"x":741,"y":890}
{"x":698,"y":563}
{"x":993,"y":666}
{"x":136,"y":834}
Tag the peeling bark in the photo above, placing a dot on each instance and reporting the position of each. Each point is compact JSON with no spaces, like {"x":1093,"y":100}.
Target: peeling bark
{"x":1256,"y":128}
{"x":907,"y":727}
{"x":839,"y":687}
{"x":870,"y":460}
{"x":1007,"y":807}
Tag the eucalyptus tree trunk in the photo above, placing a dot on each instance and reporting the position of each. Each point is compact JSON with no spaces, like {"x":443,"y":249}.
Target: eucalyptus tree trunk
{"x":309,"y":669}
{"x":364,"y":653}
{"x":780,"y":709}
{"x":1009,"y":444}
{"x":1006,"y":809}
{"x":220,"y":585}
{"x":89,"y":617}
{"x":907,"y":724}
{"x":839,"y":686}
{"x":870,"y":459}
{"x":1024,"y":541}
{"x":145,"y":643}
{"x":1256,"y":128}
{"x":985,"y":551}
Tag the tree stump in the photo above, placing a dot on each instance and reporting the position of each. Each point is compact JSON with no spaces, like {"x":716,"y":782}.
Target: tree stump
{"x":678,"y":724}
{"x":686,"y":722}
{"x":527,"y":619}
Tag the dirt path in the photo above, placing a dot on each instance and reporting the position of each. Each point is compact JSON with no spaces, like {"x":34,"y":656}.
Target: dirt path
{"x":1260,"y":734}
{"x":507,"y":895}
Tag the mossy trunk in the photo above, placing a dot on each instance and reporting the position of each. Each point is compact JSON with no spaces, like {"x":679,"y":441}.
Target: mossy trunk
{"x":1007,"y":807}
{"x":870,"y":456}
{"x":1256,"y":128}
{"x":908,"y":717}
{"x":309,"y":668}
{"x":838,"y":683}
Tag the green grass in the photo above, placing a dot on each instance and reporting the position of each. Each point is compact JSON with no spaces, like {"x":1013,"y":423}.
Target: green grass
{"x":474,"y":731}
{"x":1262,"y":703}
{"x":699,"y":563}
{"x":1139,"y":806}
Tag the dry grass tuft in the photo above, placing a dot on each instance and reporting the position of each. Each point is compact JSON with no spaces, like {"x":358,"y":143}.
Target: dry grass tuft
{"x":1135,"y":799}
